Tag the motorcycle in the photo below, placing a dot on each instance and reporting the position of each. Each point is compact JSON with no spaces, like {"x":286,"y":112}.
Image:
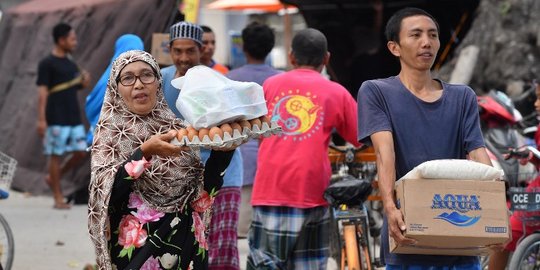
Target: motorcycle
{"x":503,"y":128}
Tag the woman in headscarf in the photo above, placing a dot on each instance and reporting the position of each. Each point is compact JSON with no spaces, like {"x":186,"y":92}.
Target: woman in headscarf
{"x":94,"y":100}
{"x":149,"y":199}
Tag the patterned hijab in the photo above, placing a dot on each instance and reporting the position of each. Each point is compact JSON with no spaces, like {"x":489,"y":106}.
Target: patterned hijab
{"x":168,"y":185}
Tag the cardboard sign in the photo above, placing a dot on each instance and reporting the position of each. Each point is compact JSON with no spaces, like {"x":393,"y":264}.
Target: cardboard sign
{"x":524,"y":200}
{"x":452,"y":217}
{"x":160,"y":49}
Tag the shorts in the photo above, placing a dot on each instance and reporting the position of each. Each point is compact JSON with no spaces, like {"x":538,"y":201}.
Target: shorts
{"x":289,"y":238}
{"x":64,"y":139}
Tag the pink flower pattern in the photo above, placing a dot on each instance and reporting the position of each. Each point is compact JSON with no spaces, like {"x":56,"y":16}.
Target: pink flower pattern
{"x":203,"y":202}
{"x":151,"y":264}
{"x":134,"y":200}
{"x":136,"y":167}
{"x":199,"y":229}
{"x":131,"y":232}
{"x":146,"y":214}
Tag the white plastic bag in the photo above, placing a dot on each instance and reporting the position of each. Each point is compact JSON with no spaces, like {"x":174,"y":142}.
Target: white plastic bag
{"x":208,"y":99}
{"x":454,"y":169}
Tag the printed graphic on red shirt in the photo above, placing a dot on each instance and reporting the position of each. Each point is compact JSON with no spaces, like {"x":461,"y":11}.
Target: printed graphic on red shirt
{"x":299,"y":115}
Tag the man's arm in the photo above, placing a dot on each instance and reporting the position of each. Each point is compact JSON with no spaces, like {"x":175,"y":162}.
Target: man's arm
{"x":43,"y":92}
{"x":480,"y":155}
{"x":383,"y":143}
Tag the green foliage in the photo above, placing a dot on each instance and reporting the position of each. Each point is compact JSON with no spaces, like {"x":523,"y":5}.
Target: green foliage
{"x":127,"y":251}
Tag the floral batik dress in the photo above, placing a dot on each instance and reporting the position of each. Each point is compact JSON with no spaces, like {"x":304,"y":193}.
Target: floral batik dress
{"x":144,"y":238}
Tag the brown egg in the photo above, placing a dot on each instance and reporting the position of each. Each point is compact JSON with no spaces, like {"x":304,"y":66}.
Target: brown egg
{"x":226,"y":128}
{"x":181,"y":133}
{"x":244,"y":124}
{"x":215,"y":131}
{"x":265,"y":119}
{"x":203,"y":132}
{"x":191,"y":133}
{"x":255,"y":122}
{"x":236,"y":126}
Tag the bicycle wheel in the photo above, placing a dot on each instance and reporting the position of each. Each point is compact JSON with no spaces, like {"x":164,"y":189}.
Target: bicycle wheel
{"x":527,"y":254}
{"x":7,"y":245}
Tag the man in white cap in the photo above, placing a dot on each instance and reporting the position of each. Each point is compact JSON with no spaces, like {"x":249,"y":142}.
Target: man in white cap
{"x":185,"y":48}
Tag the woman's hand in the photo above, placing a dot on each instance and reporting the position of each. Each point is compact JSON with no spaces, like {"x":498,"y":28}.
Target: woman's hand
{"x":160,"y":145}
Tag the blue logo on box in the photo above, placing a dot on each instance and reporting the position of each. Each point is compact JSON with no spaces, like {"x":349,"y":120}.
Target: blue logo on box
{"x":459,"y":204}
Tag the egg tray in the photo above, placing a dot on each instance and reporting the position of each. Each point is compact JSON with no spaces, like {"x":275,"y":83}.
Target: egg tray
{"x":228,"y":140}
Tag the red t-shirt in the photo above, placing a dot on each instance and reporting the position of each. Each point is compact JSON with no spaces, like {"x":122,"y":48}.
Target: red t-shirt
{"x":293,"y":168}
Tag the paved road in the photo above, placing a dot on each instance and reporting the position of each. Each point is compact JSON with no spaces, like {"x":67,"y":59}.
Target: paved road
{"x":50,"y":239}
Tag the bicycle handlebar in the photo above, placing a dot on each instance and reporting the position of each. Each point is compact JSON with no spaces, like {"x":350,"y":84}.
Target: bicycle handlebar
{"x":344,"y":149}
{"x":522,"y":152}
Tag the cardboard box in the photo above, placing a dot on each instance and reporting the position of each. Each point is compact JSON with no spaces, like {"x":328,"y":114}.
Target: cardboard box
{"x":452,"y":217}
{"x":160,"y":49}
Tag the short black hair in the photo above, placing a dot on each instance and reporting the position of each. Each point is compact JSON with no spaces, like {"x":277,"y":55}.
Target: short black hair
{"x":206,"y":29}
{"x":61,"y":30}
{"x":258,"y":40}
{"x":393,"y":26}
{"x":309,"y":46}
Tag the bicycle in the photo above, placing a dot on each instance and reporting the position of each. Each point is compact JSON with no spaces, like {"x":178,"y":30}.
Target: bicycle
{"x":353,"y":223}
{"x":7,"y":243}
{"x":527,"y":253}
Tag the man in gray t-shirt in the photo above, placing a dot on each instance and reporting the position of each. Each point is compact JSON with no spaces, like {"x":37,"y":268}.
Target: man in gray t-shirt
{"x":258,"y":40}
{"x":411,"y":118}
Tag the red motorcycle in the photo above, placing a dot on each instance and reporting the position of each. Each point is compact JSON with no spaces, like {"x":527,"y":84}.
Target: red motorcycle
{"x":502,"y":127}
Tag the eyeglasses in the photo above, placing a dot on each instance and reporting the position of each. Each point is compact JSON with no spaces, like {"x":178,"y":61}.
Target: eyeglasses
{"x":130,"y":79}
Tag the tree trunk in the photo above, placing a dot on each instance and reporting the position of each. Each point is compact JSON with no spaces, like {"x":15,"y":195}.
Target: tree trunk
{"x":508,"y":36}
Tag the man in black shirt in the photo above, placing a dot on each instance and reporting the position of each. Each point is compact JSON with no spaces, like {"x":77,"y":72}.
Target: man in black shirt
{"x":59,"y":119}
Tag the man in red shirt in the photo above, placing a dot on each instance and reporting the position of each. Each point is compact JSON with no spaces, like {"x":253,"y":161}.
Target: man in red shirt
{"x":290,"y":215}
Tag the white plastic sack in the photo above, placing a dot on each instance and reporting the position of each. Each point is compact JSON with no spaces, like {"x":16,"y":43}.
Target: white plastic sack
{"x":208,"y":99}
{"x":454,"y":169}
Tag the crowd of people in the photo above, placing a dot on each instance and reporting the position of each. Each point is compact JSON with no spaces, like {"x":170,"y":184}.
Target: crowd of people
{"x":155,"y":205}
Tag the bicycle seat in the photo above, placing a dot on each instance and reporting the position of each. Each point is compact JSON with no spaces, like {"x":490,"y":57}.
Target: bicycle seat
{"x":348,"y":191}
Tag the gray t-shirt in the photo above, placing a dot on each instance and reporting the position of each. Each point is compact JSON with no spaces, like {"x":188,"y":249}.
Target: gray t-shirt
{"x":448,"y":128}
{"x":251,"y":73}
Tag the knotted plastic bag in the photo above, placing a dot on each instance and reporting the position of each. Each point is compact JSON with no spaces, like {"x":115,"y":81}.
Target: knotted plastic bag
{"x":208,"y":99}
{"x":350,"y":191}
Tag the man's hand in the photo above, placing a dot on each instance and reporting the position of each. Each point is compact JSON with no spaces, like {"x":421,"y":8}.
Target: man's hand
{"x":161,"y":145}
{"x":396,"y":227}
{"x":41,"y":127}
{"x":85,"y":78}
